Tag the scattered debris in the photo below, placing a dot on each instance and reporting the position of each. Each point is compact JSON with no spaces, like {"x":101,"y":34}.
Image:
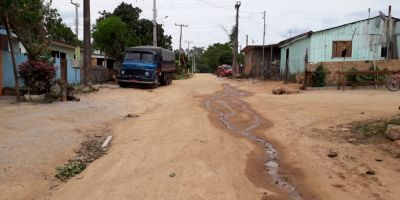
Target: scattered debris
{"x":378,"y":160}
{"x":106,"y":142}
{"x":352,"y":140}
{"x":53,"y":186}
{"x":202,"y":141}
{"x":172,"y":175}
{"x":362,"y":113}
{"x":131,"y":116}
{"x":282,"y":91}
{"x":370,"y":172}
{"x":393,"y":131}
{"x":332,"y":154}
{"x":264,"y":196}
{"x":89,"y":151}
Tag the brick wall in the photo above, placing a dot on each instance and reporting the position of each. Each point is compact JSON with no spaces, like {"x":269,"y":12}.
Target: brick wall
{"x":334,"y":67}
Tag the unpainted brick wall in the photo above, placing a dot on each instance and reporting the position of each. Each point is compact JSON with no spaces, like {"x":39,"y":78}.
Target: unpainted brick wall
{"x":334,"y":67}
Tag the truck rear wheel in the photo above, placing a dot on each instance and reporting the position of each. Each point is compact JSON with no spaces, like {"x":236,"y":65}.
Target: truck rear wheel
{"x":164,"y":79}
{"x":169,"y":78}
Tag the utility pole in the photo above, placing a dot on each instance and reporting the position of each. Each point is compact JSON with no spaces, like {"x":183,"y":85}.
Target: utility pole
{"x":180,"y":42}
{"x":236,"y":45}
{"x":155,"y":23}
{"x":87,"y":41}
{"x":77,"y":5}
{"x":188,"y":49}
{"x":247,"y":40}
{"x":263,"y":48}
{"x":194,"y":63}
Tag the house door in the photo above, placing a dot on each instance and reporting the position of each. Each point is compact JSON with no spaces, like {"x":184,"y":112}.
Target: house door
{"x":63,"y":67}
{"x":287,"y":72}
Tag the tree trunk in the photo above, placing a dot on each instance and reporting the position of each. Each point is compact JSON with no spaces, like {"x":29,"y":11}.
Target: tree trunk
{"x":12,"y":57}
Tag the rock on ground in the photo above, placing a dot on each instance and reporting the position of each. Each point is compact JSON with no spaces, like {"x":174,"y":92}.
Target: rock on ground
{"x":393,"y":131}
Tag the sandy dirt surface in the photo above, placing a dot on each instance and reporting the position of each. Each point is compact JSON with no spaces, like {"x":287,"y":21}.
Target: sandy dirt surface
{"x":179,"y":148}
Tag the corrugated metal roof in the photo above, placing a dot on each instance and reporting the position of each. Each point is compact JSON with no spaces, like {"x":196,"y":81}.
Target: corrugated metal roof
{"x":308,"y":34}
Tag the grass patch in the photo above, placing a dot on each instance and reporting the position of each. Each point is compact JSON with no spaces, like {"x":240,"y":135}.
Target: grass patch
{"x":370,"y":129}
{"x":70,"y":170}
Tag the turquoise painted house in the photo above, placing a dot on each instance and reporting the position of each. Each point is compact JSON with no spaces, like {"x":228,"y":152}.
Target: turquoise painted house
{"x":365,"y":40}
{"x":62,"y":53}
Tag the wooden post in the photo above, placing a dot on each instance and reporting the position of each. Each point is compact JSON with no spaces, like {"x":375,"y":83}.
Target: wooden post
{"x":305,"y":70}
{"x":12,"y":57}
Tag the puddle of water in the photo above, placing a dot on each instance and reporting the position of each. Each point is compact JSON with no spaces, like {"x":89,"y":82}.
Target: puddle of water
{"x":227,"y":105}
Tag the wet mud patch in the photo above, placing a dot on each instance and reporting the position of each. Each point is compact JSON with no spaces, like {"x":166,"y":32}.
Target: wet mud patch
{"x":228,"y":111}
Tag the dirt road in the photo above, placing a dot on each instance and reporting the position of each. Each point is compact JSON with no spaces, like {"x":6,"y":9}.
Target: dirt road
{"x":207,"y":138}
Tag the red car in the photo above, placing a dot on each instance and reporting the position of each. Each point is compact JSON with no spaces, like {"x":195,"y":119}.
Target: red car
{"x":224,"y":70}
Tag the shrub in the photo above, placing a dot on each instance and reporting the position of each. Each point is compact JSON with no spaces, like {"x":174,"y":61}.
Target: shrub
{"x":319,"y":77}
{"x":38,"y":76}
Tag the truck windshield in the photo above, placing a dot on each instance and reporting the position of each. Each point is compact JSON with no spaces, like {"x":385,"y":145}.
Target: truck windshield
{"x":140,"y":56}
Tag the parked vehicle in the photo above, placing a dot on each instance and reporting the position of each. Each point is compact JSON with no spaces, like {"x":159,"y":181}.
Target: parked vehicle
{"x":393,"y":84}
{"x":148,"y":65}
{"x":224,"y":70}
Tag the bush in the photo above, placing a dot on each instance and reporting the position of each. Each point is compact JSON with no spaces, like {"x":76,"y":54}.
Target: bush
{"x":366,"y":77}
{"x":319,"y":77}
{"x":38,"y":76}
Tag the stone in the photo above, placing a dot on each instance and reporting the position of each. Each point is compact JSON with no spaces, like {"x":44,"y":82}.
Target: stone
{"x":397,"y":143}
{"x":370,"y":172}
{"x":352,"y":140}
{"x":393,"y":131}
{"x":332,"y":154}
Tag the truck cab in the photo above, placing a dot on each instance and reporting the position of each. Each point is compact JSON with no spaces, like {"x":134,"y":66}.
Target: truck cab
{"x":146,"y":65}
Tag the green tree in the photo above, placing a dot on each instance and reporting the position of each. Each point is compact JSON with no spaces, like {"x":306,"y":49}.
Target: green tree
{"x":112,"y":35}
{"x":27,"y":20}
{"x":140,"y":28}
{"x":56,"y":28}
{"x":218,"y":54}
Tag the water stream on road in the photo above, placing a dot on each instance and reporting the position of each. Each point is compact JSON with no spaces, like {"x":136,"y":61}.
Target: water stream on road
{"x":227,"y":105}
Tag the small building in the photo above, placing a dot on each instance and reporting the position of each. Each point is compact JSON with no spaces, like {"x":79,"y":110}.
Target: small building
{"x":370,"y":39}
{"x":99,"y":59}
{"x":254,"y":59}
{"x":63,"y":54}
{"x":68,"y":69}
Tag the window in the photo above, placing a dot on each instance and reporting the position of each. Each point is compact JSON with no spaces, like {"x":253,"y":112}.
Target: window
{"x":100,"y":62}
{"x":342,"y":49}
{"x":384,"y":52}
{"x":140,"y":56}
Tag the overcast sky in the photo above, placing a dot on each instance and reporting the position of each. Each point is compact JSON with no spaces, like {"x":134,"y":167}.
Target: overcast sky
{"x":207,"y":17}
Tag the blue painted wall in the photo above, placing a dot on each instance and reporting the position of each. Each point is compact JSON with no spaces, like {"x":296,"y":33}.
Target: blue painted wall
{"x":8,"y":73}
{"x":367,"y":41}
{"x":297,"y":52}
{"x":71,"y":72}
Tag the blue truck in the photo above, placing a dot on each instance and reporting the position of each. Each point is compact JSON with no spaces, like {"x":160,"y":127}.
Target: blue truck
{"x":148,"y":65}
